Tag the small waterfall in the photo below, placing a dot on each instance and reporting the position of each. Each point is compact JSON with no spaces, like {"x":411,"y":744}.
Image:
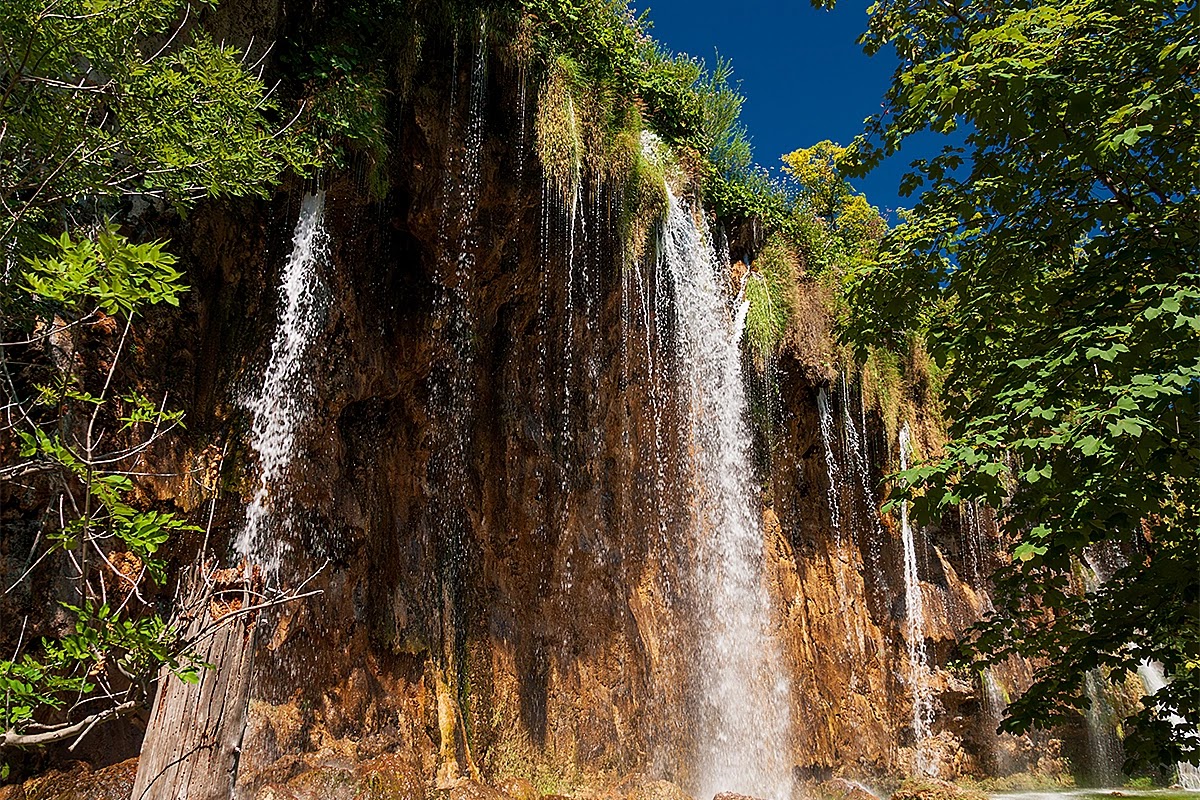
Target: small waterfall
{"x":828,"y":426}
{"x":973,"y":539}
{"x":283,"y":401}
{"x":1151,"y":673}
{"x":859,"y":464}
{"x":825,"y":409}
{"x":914,"y":631}
{"x":743,"y":728}
{"x":1104,"y":747}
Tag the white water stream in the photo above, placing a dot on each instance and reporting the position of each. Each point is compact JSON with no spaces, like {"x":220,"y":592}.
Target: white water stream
{"x":743,"y":726}
{"x":1151,"y":672}
{"x":914,"y":631}
{"x":825,"y":413}
{"x":284,"y":401}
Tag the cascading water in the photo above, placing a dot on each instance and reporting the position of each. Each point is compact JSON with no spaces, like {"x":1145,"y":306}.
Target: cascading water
{"x":859,"y":464}
{"x":1151,"y":672}
{"x":914,"y":631}
{"x":283,"y":401}
{"x":453,"y":320}
{"x":1105,"y":748}
{"x":828,"y":426}
{"x":742,"y":728}
{"x":825,"y":411}
{"x":1103,"y":744}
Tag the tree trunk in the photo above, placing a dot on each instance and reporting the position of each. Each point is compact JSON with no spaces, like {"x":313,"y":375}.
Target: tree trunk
{"x":194,"y":736}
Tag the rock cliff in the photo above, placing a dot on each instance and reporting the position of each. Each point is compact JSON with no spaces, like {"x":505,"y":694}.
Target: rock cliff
{"x":487,"y":489}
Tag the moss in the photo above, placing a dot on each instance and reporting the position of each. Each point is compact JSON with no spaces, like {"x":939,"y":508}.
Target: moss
{"x":883,"y":388}
{"x":644,"y":203}
{"x":1020,"y":782}
{"x":771,"y":292}
{"x":513,"y":754}
{"x":557,"y":128}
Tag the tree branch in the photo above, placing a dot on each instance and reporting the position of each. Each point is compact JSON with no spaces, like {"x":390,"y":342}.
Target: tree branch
{"x":13,"y":739}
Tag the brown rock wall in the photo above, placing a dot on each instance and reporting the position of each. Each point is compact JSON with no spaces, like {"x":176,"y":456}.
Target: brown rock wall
{"x":485,"y":492}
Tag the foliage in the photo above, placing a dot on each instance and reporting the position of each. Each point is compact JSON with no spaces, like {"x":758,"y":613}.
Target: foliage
{"x":601,"y":59}
{"x":102,"y":104}
{"x":1052,"y":267}
{"x":86,"y":114}
{"x":838,"y":227}
{"x":109,"y":273}
{"x":770,"y":291}
{"x":558,"y":128}
{"x":117,"y":642}
{"x":823,"y":188}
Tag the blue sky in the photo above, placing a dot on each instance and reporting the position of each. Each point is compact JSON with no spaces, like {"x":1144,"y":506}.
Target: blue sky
{"x":803,"y":76}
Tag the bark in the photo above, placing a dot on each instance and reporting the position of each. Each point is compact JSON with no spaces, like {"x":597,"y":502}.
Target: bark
{"x":194,"y":736}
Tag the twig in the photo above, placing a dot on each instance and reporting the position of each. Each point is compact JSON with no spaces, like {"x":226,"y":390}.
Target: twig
{"x":13,"y":739}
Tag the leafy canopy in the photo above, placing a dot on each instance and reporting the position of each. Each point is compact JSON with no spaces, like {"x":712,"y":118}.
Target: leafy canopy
{"x":117,"y":99}
{"x":1052,"y":266}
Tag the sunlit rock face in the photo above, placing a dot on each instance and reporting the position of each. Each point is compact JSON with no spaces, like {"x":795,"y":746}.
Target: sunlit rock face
{"x":494,"y":486}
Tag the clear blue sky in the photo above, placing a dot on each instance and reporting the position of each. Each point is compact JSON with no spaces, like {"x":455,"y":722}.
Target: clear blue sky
{"x":803,"y":76}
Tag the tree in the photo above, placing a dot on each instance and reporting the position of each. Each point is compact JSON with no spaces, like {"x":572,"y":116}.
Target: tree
{"x":101,"y":105}
{"x":840,"y":225}
{"x":1052,"y":266}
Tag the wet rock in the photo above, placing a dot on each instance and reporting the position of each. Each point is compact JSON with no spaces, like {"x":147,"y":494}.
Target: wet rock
{"x":474,"y":790}
{"x":518,"y":789}
{"x":733,"y":796}
{"x":934,"y":789}
{"x":79,"y":782}
{"x":320,"y":784}
{"x":843,"y":789}
{"x":642,"y":787}
{"x":275,"y":793}
{"x":390,"y":777}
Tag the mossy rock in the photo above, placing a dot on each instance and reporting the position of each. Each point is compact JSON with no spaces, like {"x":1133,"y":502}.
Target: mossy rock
{"x":474,"y":790}
{"x":642,"y":787}
{"x":390,"y":777}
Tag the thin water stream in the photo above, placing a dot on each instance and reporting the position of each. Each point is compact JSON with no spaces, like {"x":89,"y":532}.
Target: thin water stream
{"x":914,"y":631}
{"x":283,"y":402}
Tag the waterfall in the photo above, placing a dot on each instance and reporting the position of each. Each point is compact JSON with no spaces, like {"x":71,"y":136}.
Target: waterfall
{"x":1153,"y":679}
{"x":972,"y":535}
{"x":1103,"y":745}
{"x":825,"y":409}
{"x":284,"y":400}
{"x":828,"y":425}
{"x":742,"y":729}
{"x":914,"y":630}
{"x":1105,"y":748}
{"x":860,"y":465}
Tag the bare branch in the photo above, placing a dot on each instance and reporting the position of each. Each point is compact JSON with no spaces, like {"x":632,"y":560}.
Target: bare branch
{"x":13,"y":739}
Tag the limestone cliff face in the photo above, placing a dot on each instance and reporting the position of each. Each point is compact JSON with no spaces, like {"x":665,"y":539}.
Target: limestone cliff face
{"x":487,"y":494}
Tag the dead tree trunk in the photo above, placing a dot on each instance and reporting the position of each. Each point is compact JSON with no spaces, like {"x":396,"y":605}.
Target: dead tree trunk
{"x":194,"y":736}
